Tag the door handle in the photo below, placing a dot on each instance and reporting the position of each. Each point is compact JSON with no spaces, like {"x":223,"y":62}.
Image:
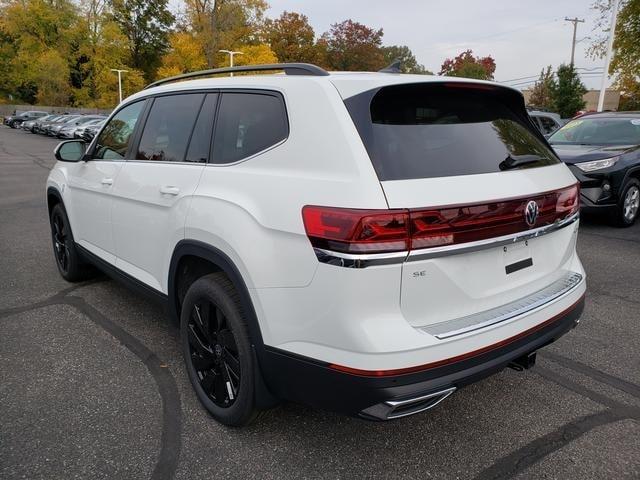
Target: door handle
{"x":107,"y":181}
{"x":169,"y":190}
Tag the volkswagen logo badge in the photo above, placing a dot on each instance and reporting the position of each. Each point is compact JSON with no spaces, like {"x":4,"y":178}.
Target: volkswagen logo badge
{"x":531,"y":213}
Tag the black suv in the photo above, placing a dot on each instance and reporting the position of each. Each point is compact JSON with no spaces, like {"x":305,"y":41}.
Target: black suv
{"x":603,"y":152}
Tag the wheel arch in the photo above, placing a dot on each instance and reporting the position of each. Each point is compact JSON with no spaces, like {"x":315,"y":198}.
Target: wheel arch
{"x":53,"y":198}
{"x":221,"y":261}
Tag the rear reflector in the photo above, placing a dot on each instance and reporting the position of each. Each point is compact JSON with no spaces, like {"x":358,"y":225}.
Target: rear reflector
{"x":383,"y":231}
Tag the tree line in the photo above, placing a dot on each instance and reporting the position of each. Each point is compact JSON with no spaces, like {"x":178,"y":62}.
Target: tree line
{"x":61,"y":52}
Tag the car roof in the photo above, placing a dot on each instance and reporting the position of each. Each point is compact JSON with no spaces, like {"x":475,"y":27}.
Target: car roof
{"x":347,"y":83}
{"x":632,"y":114}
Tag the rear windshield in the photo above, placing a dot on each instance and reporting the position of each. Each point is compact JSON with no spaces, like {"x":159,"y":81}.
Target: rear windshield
{"x":436,"y":130}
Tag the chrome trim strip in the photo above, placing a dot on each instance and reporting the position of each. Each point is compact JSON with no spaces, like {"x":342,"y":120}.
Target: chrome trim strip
{"x":458,"y":326}
{"x":384,"y":410}
{"x":363,"y":260}
{"x":446,"y":250}
{"x":441,"y":395}
{"x":351,"y":260}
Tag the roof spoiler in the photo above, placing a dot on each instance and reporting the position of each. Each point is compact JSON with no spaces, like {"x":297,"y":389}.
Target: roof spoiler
{"x":289,"y":69}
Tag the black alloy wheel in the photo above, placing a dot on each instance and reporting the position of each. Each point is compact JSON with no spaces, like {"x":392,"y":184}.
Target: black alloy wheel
{"x":70,"y":264}
{"x":214,"y":353}
{"x":59,"y":231}
{"x":217,"y":349}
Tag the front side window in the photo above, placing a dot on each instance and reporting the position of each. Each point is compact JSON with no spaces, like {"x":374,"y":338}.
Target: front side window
{"x":248,"y":123}
{"x":113,"y":141}
{"x":168,"y":127}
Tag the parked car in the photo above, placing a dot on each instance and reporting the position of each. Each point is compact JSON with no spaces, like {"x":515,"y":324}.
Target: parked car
{"x":547,"y":122}
{"x":96,"y":122}
{"x":54,"y":129}
{"x":28,"y":125}
{"x":14,"y":121}
{"x":41,"y":124}
{"x":362,"y":242}
{"x":91,"y":131}
{"x":68,"y":130}
{"x":603,"y":152}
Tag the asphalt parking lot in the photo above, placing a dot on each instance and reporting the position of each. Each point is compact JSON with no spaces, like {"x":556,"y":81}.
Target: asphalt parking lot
{"x":92,"y":383}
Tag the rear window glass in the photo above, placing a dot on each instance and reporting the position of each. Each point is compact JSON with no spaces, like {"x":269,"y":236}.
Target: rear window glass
{"x":166,"y":133}
{"x":424,"y":131}
{"x":247,"y":124}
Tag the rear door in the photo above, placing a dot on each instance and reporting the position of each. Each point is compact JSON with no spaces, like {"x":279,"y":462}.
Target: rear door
{"x":467,"y":162}
{"x":154,"y":189}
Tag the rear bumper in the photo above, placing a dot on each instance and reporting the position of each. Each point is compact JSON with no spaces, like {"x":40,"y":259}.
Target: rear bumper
{"x":369,"y":395}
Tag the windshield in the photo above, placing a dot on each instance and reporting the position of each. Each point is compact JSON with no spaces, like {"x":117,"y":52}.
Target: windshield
{"x":599,"y":131}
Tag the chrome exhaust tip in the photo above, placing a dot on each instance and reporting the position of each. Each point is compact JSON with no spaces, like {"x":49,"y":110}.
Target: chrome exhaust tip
{"x":392,"y":409}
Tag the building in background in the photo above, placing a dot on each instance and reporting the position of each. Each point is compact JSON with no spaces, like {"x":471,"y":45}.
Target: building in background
{"x":611,"y":99}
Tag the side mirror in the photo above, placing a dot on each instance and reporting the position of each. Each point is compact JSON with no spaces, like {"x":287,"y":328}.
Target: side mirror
{"x":70,"y":151}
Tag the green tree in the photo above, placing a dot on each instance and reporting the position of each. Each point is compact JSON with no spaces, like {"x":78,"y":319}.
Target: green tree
{"x":568,"y":91}
{"x":146,"y":23}
{"x":36,"y":34}
{"x":222,"y":24}
{"x":541,"y":93}
{"x":408,"y":62}
{"x":352,"y":46}
{"x":292,"y":38}
{"x":468,"y":66}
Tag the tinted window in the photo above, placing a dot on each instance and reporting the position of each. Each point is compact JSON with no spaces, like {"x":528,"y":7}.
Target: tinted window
{"x":114,"y":139}
{"x":247,"y":124}
{"x":423,"y":131}
{"x":548,"y":124}
{"x":168,"y":127}
{"x":599,"y":131}
{"x":201,"y":136}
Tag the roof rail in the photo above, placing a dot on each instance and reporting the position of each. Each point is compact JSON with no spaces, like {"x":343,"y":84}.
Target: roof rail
{"x":289,"y":69}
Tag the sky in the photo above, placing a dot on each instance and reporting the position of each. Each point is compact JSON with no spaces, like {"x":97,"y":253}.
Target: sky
{"x":522,"y":36}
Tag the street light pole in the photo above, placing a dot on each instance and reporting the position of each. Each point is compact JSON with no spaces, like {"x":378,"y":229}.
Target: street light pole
{"x":605,"y":73}
{"x":231,"y":53}
{"x":120,"y":72}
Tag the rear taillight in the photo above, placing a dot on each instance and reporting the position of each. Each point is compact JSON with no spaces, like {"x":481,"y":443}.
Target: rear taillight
{"x":382,"y":231}
{"x":357,"y":231}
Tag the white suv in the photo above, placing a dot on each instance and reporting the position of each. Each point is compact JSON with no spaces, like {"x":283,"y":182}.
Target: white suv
{"x":361,"y":242}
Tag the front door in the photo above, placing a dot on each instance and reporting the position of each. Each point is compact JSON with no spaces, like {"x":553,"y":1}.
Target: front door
{"x":91,"y":184}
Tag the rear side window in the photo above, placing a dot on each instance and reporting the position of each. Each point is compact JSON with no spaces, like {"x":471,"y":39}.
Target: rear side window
{"x":248,"y":123}
{"x":426,"y":130}
{"x":548,"y":124}
{"x":168,"y":127}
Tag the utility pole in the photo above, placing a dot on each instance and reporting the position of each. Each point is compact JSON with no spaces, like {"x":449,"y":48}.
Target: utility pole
{"x":120,"y":72}
{"x":231,"y":53}
{"x":575,"y":22}
{"x":605,"y":73}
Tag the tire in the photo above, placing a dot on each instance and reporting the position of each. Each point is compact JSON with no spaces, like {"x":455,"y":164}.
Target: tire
{"x":217,"y":350}
{"x":68,"y":260}
{"x":629,"y":204}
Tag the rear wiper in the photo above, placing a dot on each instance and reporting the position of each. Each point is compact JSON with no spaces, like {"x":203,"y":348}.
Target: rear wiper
{"x":516,"y":161}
